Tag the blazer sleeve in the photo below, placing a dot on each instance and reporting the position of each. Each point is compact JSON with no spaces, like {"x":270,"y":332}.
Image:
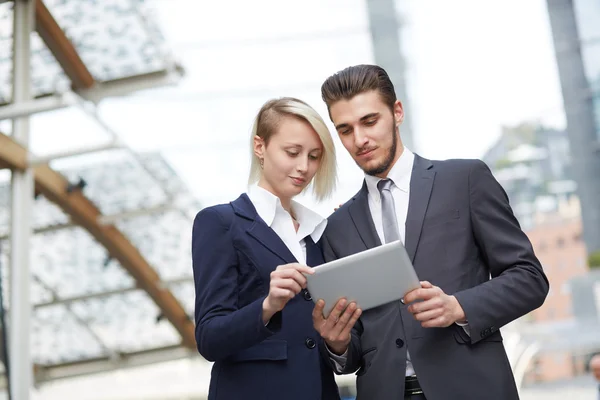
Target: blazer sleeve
{"x":518,"y":284}
{"x":353,"y":359}
{"x":222,"y":328}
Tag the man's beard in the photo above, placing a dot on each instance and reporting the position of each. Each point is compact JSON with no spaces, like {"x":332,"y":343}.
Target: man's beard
{"x":389,"y":159}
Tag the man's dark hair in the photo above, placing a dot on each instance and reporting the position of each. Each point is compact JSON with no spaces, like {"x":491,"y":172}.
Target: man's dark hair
{"x":351,"y":81}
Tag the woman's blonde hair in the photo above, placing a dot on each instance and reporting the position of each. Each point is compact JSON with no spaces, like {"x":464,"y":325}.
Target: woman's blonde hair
{"x":267,"y":122}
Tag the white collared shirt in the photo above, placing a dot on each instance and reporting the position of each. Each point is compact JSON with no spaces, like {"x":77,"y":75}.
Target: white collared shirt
{"x":269,"y":208}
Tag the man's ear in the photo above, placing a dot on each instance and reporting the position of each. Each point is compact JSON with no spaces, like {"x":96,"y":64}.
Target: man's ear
{"x":398,"y":112}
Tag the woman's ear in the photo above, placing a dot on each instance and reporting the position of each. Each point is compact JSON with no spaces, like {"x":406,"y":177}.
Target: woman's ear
{"x":259,"y":147}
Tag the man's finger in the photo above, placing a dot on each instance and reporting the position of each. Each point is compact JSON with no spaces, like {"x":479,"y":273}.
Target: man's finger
{"x":426,"y":284}
{"x":429,"y":315}
{"x":422,"y":306}
{"x":334,"y":315}
{"x":340,"y":323}
{"x":346,"y":319}
{"x":420,"y":294}
{"x":317,"y":313}
{"x":351,"y":322}
{"x":439,"y":322}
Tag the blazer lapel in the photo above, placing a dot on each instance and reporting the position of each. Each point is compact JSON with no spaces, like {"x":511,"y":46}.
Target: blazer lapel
{"x":314,"y":255}
{"x":361,"y":216}
{"x":260,"y":231}
{"x":421,"y":183}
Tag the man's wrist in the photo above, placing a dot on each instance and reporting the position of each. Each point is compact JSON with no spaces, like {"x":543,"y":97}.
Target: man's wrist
{"x":459,"y":313}
{"x":337,"y":350}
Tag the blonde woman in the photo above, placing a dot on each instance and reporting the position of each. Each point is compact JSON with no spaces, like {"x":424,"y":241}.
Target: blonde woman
{"x":250,"y":257}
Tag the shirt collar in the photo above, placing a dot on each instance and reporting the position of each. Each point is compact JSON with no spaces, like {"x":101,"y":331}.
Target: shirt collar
{"x":400,"y":174}
{"x":268,"y":205}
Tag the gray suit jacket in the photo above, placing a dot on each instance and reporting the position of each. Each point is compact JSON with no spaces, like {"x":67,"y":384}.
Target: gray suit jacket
{"x":460,"y":231}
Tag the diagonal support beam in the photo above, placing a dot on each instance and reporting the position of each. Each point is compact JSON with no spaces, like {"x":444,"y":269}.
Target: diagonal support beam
{"x":82,"y":211}
{"x":61,"y":47}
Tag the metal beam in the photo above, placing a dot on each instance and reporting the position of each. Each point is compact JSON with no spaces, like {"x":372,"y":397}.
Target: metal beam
{"x":83,"y":211}
{"x":41,"y":104}
{"x":126,"y":86}
{"x":45,"y":229}
{"x":110,"y":145}
{"x":108,"y":293}
{"x":114,"y":218}
{"x":22,"y":192}
{"x":61,"y":47}
{"x":112,"y":362}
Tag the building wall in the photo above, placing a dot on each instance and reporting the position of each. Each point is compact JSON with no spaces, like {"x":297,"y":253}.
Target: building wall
{"x":557,"y":241}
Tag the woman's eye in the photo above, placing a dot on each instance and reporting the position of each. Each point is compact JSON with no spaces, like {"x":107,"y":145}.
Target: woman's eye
{"x":291,"y":154}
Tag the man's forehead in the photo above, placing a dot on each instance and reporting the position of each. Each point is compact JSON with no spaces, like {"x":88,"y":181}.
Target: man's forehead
{"x":357,"y":107}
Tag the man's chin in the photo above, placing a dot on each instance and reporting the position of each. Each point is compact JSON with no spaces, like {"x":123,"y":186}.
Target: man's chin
{"x":371,"y":167}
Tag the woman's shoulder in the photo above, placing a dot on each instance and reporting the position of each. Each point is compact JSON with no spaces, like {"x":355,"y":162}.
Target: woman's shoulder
{"x":223,"y":212}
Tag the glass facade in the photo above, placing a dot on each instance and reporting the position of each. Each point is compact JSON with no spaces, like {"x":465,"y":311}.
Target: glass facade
{"x":588,"y":22}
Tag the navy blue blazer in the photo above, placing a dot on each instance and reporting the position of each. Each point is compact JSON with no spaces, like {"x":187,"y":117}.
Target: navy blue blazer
{"x":234,"y":253}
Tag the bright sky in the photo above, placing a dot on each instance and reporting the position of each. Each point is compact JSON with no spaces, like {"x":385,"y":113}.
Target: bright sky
{"x":473,"y":67}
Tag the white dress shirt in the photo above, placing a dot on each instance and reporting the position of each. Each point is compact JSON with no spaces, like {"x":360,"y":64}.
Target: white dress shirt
{"x":269,"y":208}
{"x":400,"y":174}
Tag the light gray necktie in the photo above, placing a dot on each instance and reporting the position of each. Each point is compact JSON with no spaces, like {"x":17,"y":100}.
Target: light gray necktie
{"x":388,"y":211}
{"x":390,"y":230}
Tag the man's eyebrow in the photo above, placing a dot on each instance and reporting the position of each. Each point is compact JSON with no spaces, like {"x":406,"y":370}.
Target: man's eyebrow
{"x":363,"y":118}
{"x":369,"y":116}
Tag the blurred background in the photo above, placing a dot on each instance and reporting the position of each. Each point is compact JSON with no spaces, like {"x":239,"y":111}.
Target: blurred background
{"x":121,"y":119}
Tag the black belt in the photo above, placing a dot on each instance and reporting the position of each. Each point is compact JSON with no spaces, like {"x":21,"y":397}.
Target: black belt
{"x":412,"y":386}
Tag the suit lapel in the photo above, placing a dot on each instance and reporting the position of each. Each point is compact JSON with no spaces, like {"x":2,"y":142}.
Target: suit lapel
{"x":361,"y":216}
{"x":421,"y":183}
{"x":260,"y":231}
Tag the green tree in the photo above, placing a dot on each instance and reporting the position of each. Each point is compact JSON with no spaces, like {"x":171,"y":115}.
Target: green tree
{"x":594,"y":259}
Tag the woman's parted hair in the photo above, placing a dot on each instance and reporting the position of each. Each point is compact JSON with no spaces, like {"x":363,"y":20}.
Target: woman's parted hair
{"x":267,"y":122}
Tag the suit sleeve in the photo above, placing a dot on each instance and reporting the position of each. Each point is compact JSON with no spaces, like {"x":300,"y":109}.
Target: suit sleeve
{"x":352,"y":359}
{"x":518,"y":284}
{"x":222,"y":328}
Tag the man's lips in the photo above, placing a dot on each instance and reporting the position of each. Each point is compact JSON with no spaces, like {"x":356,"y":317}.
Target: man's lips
{"x":365,"y":152}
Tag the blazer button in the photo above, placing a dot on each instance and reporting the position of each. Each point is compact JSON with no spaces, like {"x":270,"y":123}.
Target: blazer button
{"x":310,"y":343}
{"x":306,"y":295}
{"x":399,"y":343}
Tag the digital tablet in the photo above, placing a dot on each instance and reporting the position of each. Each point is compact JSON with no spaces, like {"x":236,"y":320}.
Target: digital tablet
{"x":370,"y":278}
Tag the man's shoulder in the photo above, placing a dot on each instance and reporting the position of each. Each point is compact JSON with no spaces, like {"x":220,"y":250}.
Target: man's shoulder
{"x":457,"y":163}
{"x":455,"y":166}
{"x":342,"y":214}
